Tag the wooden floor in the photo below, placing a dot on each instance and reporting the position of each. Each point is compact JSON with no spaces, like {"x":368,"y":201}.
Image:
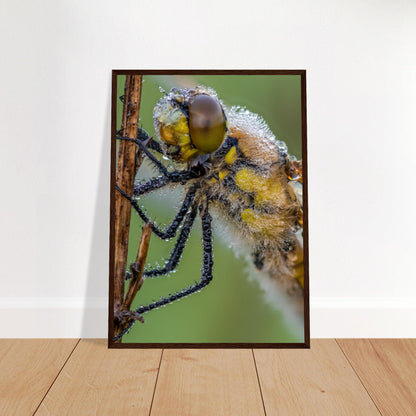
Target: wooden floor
{"x":82,"y":377}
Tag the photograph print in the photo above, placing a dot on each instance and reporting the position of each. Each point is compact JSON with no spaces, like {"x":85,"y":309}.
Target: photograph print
{"x":209,"y":225}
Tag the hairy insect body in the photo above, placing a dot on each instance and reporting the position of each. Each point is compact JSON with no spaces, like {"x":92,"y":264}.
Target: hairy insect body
{"x":250,"y":178}
{"x":249,"y":185}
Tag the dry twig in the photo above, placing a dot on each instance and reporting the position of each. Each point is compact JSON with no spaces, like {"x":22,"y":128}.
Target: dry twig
{"x":137,"y":268}
{"x":129,"y":160}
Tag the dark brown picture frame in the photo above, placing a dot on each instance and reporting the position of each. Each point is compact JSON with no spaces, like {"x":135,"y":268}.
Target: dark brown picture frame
{"x":306,"y":343}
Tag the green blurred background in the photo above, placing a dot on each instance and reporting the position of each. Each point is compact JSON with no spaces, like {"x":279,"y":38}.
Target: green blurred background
{"x":232,"y":308}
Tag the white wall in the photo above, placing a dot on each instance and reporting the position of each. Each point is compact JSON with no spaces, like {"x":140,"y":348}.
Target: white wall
{"x":56,"y":60}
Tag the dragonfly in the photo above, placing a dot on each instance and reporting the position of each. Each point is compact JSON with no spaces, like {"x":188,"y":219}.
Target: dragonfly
{"x":229,"y":162}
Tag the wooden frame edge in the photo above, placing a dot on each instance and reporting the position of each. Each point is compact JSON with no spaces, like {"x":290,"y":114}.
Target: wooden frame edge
{"x":302,"y":73}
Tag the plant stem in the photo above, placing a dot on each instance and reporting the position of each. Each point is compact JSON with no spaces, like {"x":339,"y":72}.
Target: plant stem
{"x":129,"y":161}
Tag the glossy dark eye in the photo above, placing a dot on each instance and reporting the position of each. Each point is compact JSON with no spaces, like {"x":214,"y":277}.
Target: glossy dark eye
{"x":207,"y":123}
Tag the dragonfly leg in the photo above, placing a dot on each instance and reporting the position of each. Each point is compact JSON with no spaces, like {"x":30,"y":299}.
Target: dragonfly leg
{"x":142,"y":145}
{"x":143,"y":136}
{"x":149,"y":186}
{"x":173,"y":177}
{"x":206,"y":274}
{"x":174,"y":225}
{"x":176,"y":253}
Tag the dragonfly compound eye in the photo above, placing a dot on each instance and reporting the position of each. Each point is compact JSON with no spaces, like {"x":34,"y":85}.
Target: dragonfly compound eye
{"x":207,"y":123}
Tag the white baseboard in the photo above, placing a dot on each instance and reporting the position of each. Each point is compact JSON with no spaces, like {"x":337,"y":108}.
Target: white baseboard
{"x":87,"y":318}
{"x":53,"y":317}
{"x":363,"y":317}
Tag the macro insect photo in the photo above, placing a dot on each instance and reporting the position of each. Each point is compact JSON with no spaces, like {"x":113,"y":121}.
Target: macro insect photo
{"x":209,"y":230}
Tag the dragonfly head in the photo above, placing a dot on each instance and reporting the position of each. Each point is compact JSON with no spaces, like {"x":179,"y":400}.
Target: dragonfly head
{"x":191,"y":123}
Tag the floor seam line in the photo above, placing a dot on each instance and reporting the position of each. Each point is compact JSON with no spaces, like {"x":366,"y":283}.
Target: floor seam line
{"x":157,"y":378}
{"x":359,"y":378}
{"x":59,"y":372}
{"x":258,"y":381}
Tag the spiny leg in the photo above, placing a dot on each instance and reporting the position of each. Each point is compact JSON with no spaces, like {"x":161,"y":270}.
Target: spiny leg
{"x":145,"y":150}
{"x":171,"y":229}
{"x":146,"y":138}
{"x":161,"y":181}
{"x":173,"y":177}
{"x":206,"y":273}
{"x":176,"y":253}
{"x":174,"y":225}
{"x":156,"y":147}
{"x":152,"y":185}
{"x":142,"y":135}
{"x":155,"y":183}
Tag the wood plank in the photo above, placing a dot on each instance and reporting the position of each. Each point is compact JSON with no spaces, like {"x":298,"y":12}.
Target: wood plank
{"x":101,"y":381}
{"x":318,"y":381}
{"x":28,"y":367}
{"x":387,"y":368}
{"x":207,"y":382}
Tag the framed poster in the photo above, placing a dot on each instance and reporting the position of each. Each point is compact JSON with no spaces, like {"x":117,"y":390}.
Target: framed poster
{"x":209,"y":213}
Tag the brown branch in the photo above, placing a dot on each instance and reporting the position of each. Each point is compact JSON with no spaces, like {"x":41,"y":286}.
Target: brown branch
{"x":124,"y":317}
{"x":129,"y":161}
{"x":137,"y":268}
